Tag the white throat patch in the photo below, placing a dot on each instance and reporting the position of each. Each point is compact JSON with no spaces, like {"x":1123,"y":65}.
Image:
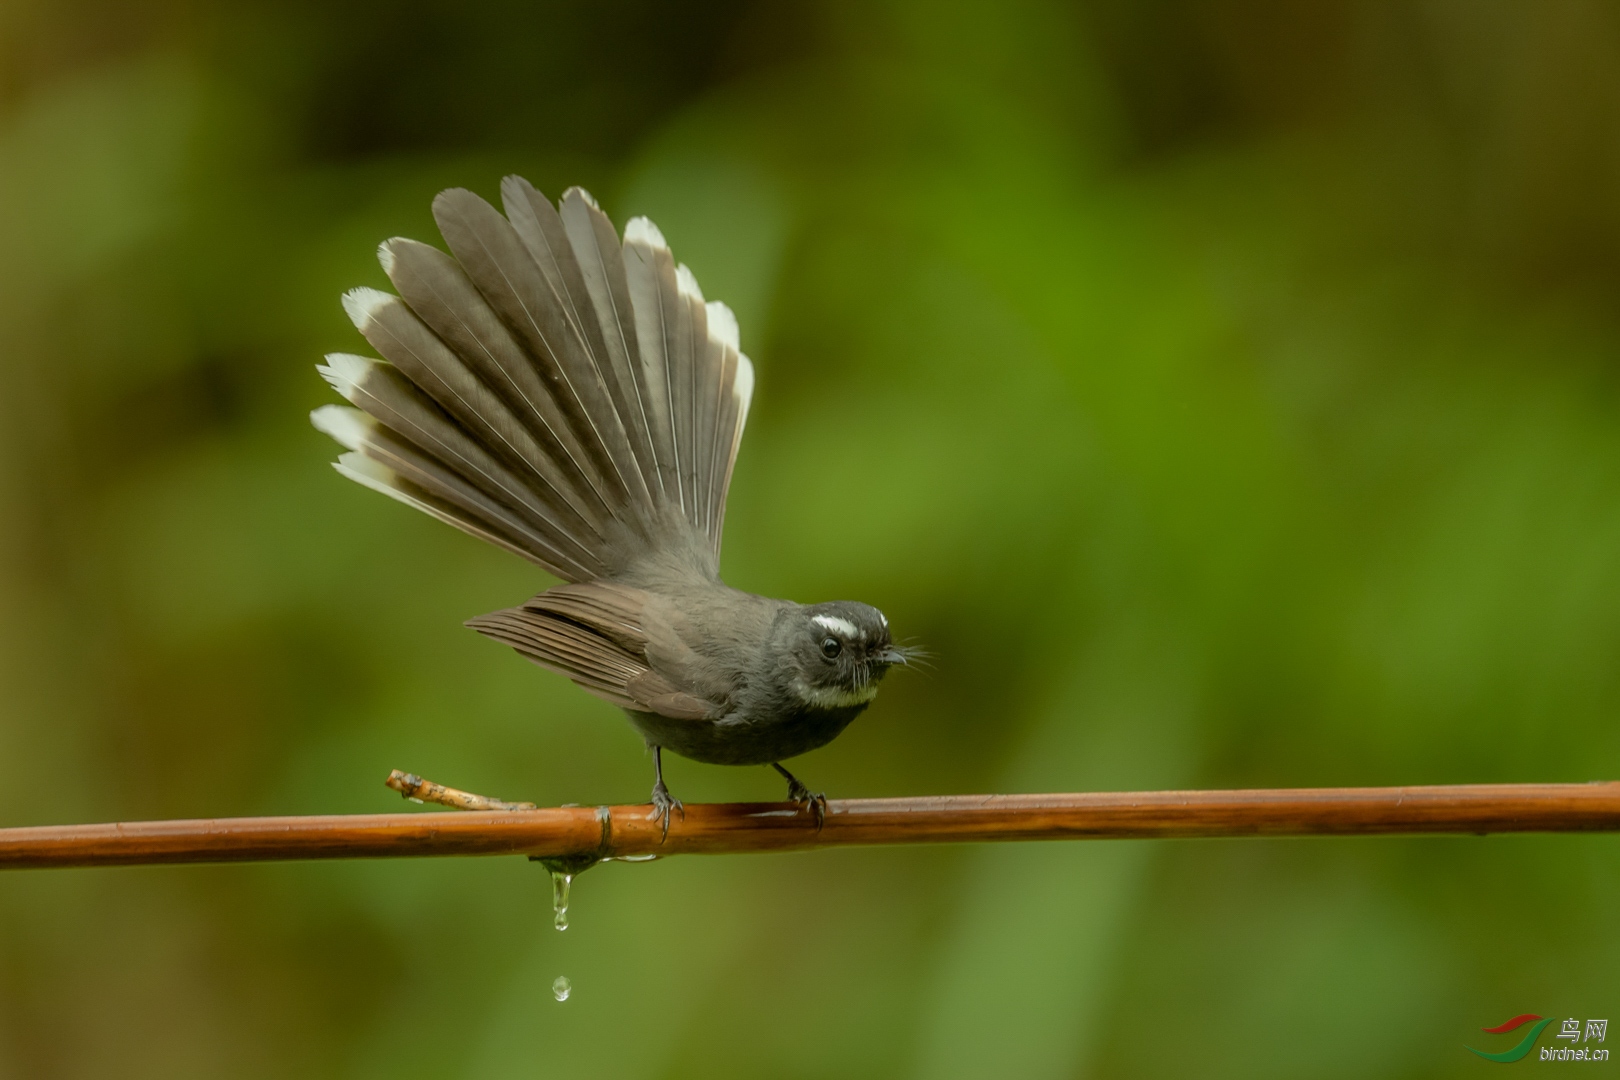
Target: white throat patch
{"x":833,"y":698}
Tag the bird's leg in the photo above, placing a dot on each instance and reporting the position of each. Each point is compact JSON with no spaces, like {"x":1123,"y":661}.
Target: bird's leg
{"x":813,"y":801}
{"x":663,"y":802}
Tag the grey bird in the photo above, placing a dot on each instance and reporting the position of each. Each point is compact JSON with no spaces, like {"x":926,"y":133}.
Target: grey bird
{"x":571,"y":398}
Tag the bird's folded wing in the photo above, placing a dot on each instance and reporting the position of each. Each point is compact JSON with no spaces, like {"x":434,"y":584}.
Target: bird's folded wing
{"x":617,"y":612}
{"x":592,"y":633}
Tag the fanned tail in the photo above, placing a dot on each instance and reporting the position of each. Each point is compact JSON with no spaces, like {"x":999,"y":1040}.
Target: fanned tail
{"x":544,"y":387}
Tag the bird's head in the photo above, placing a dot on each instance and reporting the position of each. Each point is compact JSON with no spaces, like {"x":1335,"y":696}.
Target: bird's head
{"x":841,"y":650}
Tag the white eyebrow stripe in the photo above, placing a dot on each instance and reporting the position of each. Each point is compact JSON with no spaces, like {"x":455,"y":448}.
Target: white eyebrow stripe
{"x":836,"y":625}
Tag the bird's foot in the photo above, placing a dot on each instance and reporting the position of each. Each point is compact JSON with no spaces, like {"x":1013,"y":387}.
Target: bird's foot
{"x":813,"y":801}
{"x":663,"y":802}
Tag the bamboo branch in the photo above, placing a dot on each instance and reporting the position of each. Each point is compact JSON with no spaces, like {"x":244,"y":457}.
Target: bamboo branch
{"x":588,"y":833}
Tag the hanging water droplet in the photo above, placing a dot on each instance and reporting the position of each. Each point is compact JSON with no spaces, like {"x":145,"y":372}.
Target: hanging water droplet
{"x":562,"y":988}
{"x":559,"y":903}
{"x":633,"y":858}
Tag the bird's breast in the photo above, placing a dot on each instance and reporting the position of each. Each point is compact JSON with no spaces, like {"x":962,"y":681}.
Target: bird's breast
{"x":739,"y":739}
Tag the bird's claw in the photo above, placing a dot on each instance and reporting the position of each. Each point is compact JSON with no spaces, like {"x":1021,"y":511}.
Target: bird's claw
{"x":663,"y":802}
{"x":813,"y":801}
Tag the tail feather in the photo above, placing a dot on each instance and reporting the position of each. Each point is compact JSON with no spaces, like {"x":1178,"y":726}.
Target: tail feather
{"x":422,"y":358}
{"x":385,"y":463}
{"x":539,"y":226}
{"x":723,"y":341}
{"x":715,"y":402}
{"x":543,"y":233}
{"x":548,"y":389}
{"x":708,"y":358}
{"x":489,"y":249}
{"x":739,"y":396}
{"x":441,"y":294}
{"x":402,"y":410}
{"x":678,"y":332}
{"x":650,"y":273}
{"x":382,"y":392}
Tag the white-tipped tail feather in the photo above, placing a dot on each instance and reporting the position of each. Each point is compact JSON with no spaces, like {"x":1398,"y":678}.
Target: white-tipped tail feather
{"x":640,"y":230}
{"x":345,"y":372}
{"x":723,"y":325}
{"x":686,"y":283}
{"x":590,"y":200}
{"x":550,"y":388}
{"x":347,"y":427}
{"x":362,"y":470}
{"x":362,"y":304}
{"x":383,"y":480}
{"x":743,"y":390}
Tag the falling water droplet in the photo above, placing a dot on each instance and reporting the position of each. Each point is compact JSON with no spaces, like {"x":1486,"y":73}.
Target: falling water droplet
{"x":559,"y":905}
{"x":562,"y":988}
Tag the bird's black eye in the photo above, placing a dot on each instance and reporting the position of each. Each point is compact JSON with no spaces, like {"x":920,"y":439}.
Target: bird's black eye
{"x":830,"y":647}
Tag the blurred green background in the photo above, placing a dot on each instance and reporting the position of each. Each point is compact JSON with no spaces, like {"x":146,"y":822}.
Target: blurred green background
{"x":1226,"y":393}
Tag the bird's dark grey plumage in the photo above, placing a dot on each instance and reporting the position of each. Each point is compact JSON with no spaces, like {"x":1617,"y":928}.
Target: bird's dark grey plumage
{"x":570,"y":397}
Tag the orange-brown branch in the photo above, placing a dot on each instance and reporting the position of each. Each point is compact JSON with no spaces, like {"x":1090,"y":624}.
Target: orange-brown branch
{"x":747,"y":827}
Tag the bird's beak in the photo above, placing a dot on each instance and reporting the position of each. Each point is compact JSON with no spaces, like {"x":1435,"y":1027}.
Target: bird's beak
{"x":891,"y":656}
